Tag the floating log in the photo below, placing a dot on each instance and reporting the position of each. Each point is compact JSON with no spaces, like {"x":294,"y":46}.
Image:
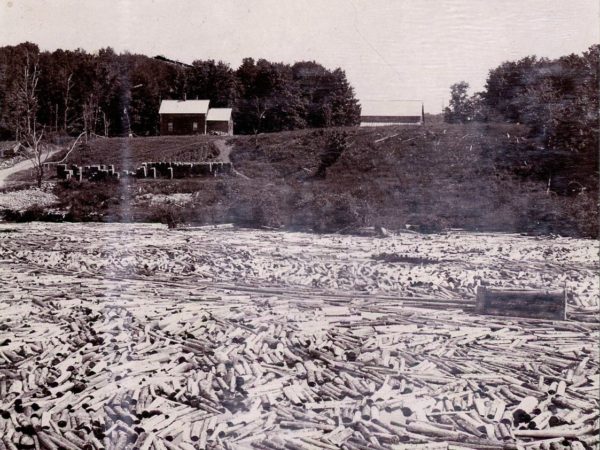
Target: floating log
{"x":98,"y":351}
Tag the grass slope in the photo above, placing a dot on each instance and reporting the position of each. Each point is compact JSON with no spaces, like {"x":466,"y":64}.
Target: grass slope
{"x":126,"y":153}
{"x":432,"y":177}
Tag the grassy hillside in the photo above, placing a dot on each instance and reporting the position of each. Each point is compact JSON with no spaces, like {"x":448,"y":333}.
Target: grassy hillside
{"x":433,"y":177}
{"x":428,"y":178}
{"x":129,"y":154}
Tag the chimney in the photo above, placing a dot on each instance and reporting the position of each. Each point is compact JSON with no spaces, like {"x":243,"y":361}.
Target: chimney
{"x":184,"y":96}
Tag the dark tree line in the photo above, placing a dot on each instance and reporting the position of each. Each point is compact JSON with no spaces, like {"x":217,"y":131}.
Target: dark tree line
{"x":558,"y":99}
{"x":114,"y":94}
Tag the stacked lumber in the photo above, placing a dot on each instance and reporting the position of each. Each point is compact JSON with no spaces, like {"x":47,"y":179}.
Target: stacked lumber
{"x":134,"y":363}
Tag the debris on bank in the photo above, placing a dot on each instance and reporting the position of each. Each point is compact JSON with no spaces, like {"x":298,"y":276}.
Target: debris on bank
{"x":20,"y":200}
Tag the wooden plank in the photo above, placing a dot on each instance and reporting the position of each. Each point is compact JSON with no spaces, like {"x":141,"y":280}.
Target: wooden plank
{"x":549,"y":304}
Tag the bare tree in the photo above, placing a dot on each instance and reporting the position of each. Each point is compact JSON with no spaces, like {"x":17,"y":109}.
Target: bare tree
{"x":29,"y":133}
{"x":68,"y":86}
{"x":24,"y":100}
{"x":261,"y":111}
{"x":106,"y":123}
{"x":37,"y":151}
{"x":90,"y":116}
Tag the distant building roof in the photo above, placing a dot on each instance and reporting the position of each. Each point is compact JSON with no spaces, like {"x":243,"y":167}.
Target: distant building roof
{"x":184,"y":107}
{"x":388,"y":120}
{"x":219,"y":114}
{"x":390,"y":112}
{"x":171,"y":61}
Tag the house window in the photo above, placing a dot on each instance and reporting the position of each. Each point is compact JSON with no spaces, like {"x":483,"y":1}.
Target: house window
{"x":195,"y":126}
{"x":170,"y":127}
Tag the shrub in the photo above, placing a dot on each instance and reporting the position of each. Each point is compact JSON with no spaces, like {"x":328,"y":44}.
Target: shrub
{"x":31,"y":214}
{"x":87,"y":201}
{"x":261,"y":209}
{"x":583,"y":210}
{"x":170,"y":215}
{"x":337,"y":143}
{"x":338,"y":212}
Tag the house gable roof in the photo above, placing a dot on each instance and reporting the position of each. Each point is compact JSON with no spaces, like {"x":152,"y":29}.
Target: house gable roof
{"x":184,"y":107}
{"x":219,"y":114}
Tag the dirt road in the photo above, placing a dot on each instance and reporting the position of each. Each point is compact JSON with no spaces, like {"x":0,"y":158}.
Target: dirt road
{"x":224,"y":150}
{"x":224,"y":155}
{"x":23,"y":165}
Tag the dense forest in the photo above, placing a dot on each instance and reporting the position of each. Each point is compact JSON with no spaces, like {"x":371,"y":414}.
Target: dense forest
{"x":112,"y":94}
{"x":558,"y":100}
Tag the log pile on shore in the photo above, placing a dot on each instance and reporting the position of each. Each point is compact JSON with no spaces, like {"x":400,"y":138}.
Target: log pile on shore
{"x":109,"y":360}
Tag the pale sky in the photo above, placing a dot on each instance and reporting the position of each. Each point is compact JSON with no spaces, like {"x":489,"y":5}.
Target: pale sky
{"x":390,"y":49}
